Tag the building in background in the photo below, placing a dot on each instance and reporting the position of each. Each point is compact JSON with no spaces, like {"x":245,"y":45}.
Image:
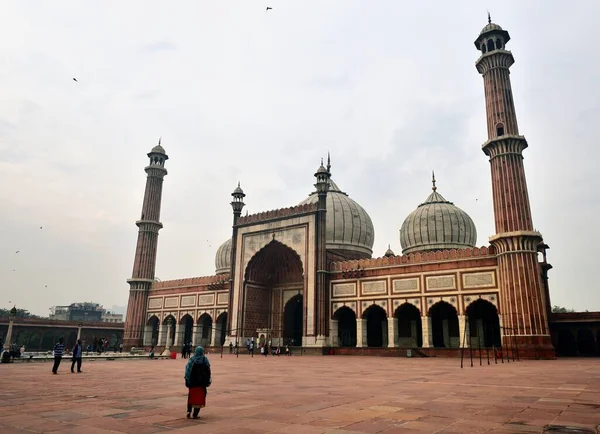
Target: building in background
{"x":87,"y":311}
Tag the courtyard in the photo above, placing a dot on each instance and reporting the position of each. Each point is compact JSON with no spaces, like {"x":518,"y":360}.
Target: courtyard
{"x":304,"y":394}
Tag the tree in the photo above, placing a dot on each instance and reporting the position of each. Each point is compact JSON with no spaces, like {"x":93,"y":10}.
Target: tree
{"x":21,"y":313}
{"x":560,"y":309}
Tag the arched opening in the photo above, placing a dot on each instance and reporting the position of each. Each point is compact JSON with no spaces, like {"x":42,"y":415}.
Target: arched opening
{"x":484,"y":324}
{"x":483,"y":48}
{"x":186,"y":327}
{"x":410,"y":332}
{"x":444,"y":325}
{"x":292,"y":321}
{"x":152,"y":329}
{"x":498,"y":44}
{"x":585,"y":342}
{"x":490,"y":44}
{"x":204,"y":329}
{"x":499,"y":129}
{"x":221,"y":329}
{"x":567,"y":346}
{"x":272,"y":270}
{"x":346,"y":322}
{"x":169,"y":323}
{"x":376,"y":326}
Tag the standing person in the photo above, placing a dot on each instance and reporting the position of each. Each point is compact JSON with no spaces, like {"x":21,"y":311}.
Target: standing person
{"x":77,"y":353}
{"x":252,"y":348}
{"x":58,"y":351}
{"x":152,"y":352}
{"x":121,"y":347}
{"x":197,"y":379}
{"x":230,"y":347}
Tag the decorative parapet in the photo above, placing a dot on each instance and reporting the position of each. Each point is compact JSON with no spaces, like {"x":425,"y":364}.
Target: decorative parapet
{"x":209,"y":281}
{"x":414,"y":258}
{"x":278,"y":213}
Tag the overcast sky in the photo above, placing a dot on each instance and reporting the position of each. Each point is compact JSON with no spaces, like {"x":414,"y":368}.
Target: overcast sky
{"x":238,"y":94}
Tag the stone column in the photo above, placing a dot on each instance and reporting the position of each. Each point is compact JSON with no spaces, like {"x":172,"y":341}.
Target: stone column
{"x":334,"y":339}
{"x":463,"y":327}
{"x":9,"y":332}
{"x":177,"y":337}
{"x":213,"y":336}
{"x":426,"y":330}
{"x":361,"y":332}
{"x":195,"y":336}
{"x":169,"y":342}
{"x":392,"y":332}
{"x":79,"y":326}
{"x":161,"y":334}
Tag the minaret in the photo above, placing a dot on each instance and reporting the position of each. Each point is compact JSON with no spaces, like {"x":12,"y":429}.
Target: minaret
{"x":237,"y":204}
{"x":322,"y":302}
{"x":145,"y":253}
{"x":522,"y":291}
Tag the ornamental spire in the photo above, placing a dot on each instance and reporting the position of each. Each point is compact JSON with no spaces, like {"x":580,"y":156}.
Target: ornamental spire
{"x":434,"y":188}
{"x":489,"y":18}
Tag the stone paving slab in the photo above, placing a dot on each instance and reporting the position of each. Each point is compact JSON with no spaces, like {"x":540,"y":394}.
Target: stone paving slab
{"x":303,"y":394}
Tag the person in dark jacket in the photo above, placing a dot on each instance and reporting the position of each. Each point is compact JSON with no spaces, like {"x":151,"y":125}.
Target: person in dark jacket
{"x":196,"y":383}
{"x":58,"y":351}
{"x":77,"y":353}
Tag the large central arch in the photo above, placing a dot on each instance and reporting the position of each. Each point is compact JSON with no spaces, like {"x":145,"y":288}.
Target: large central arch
{"x":272,"y":273}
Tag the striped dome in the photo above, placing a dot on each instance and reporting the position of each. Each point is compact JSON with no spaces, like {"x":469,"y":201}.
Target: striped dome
{"x":437,"y":224}
{"x":223,"y":258}
{"x":349,"y":227}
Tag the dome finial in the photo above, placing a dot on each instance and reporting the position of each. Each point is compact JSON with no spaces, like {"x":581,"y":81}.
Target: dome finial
{"x":434,"y":188}
{"x":159,"y":139}
{"x":328,"y":162}
{"x":489,"y":18}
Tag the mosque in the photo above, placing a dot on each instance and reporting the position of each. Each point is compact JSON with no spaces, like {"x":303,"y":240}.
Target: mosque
{"x":306,"y":276}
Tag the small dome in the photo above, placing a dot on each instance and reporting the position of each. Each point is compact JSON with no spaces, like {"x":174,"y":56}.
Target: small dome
{"x":223,"y":258}
{"x":238,"y":190}
{"x":437,"y":224}
{"x":489,"y":27}
{"x":349,"y":227}
{"x":158,"y":149}
{"x":389,"y":252}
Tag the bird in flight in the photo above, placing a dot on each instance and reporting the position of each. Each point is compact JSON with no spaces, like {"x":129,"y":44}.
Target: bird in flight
{"x":269,"y":8}
{"x":40,"y":227}
{"x":74,"y":79}
{"x":17,"y":251}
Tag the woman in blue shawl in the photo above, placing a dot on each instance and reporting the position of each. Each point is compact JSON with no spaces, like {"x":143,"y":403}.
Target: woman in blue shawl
{"x":197,"y":379}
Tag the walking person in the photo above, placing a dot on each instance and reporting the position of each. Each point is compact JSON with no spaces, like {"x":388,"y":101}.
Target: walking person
{"x":197,"y":379}
{"x":77,"y":353}
{"x":58,"y":351}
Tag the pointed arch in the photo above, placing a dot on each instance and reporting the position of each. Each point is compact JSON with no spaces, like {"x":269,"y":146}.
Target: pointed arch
{"x":275,"y":263}
{"x":377,"y":333}
{"x":346,"y":323}
{"x":444,"y":325}
{"x":484,"y":324}
{"x":410,"y":328}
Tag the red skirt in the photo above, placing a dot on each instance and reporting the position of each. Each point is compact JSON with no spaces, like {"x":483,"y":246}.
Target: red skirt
{"x":197,"y":397}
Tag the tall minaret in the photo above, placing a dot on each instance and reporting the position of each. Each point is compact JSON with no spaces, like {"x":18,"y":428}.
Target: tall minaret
{"x":522,"y":291}
{"x":145,"y":253}
{"x":322,"y":300}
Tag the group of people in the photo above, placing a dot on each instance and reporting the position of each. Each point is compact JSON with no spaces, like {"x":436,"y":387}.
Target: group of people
{"x":76,"y":355}
{"x":186,"y":350}
{"x":265,"y":348}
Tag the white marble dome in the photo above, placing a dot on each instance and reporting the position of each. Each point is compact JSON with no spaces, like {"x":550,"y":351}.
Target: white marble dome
{"x":437,"y":224}
{"x":349,"y":227}
{"x":223,"y":258}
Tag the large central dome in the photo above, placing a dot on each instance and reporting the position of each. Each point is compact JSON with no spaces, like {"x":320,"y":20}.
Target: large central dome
{"x":349,"y":227}
{"x":437,"y":224}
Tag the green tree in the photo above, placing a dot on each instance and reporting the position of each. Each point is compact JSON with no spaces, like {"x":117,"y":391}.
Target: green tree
{"x":21,"y":313}
{"x":560,"y":309}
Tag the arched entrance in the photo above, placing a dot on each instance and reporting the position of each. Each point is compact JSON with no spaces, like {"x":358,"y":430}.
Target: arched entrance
{"x":567,"y":346}
{"x":221,"y":329}
{"x":484,"y":324}
{"x":377,"y":335}
{"x":346,"y":319}
{"x":186,"y":327}
{"x":585,"y":342}
{"x":273,"y":271}
{"x":292,"y":321}
{"x":205,"y":324}
{"x":444,"y":325}
{"x":151,"y":334}
{"x":410,"y":333}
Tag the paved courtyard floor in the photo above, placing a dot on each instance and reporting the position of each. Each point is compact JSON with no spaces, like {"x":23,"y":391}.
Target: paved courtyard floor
{"x":303,"y":394}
